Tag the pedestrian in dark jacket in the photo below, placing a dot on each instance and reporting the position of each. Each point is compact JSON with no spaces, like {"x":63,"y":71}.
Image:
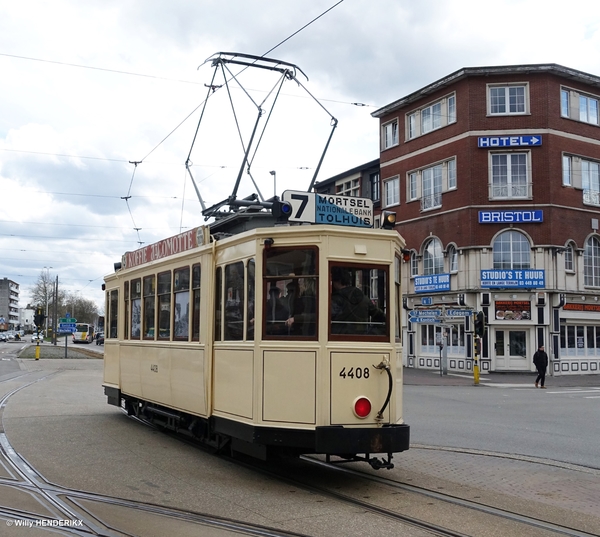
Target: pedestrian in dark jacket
{"x":540,"y":360}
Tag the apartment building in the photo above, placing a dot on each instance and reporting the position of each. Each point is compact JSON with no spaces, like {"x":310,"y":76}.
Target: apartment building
{"x":494,"y":176}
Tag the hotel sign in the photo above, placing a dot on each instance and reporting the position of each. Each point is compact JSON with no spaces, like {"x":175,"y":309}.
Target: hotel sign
{"x":508,"y":141}
{"x":511,"y":217}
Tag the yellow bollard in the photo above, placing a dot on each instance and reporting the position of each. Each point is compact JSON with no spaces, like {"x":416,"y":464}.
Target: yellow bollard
{"x":476,"y":362}
{"x":37,"y":351}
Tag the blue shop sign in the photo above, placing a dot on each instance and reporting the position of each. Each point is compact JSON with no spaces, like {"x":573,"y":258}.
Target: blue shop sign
{"x":513,"y":279}
{"x":432,"y":283}
{"x":511,"y":217}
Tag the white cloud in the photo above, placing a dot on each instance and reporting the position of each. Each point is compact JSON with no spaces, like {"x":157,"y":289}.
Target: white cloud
{"x":76,"y":112}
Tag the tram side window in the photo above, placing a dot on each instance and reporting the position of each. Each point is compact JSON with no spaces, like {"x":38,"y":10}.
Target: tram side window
{"x":234,"y":302}
{"x":290,"y":293}
{"x":218,"y":302}
{"x":181,"y":317}
{"x":251,"y":296}
{"x":358,"y":302}
{"x":196,"y":302}
{"x":164,"y":305}
{"x":397,"y":299}
{"x":126,"y":295}
{"x":114,"y":312}
{"x":149,"y":306}
{"x":136,"y":308}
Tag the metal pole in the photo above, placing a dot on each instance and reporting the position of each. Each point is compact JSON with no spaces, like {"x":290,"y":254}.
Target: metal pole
{"x":55,"y":313}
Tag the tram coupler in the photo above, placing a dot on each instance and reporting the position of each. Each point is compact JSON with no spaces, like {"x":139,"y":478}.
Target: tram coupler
{"x":377,"y":464}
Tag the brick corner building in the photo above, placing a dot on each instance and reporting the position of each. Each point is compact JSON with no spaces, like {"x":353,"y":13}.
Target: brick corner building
{"x":494,"y":175}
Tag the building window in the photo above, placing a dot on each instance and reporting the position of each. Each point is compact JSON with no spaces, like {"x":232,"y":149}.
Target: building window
{"x":591,"y":262}
{"x":414,"y":264}
{"x":507,"y":100}
{"x":452,"y":259}
{"x":511,"y":251}
{"x":509,"y":176}
{"x":588,"y":110}
{"x":412,"y":186}
{"x":564,"y":103}
{"x":391,"y":189}
{"x":431,"y":117}
{"x":432,"y":188}
{"x":390,"y":134}
{"x":590,"y":181}
{"x":452,"y":174}
{"x":567,"y":171}
{"x":433,"y":258}
{"x":428,"y":184}
{"x":579,"y":107}
{"x":348,"y":188}
{"x":375,"y":187}
{"x":585,"y":175}
{"x":569,"y":257}
{"x":452,"y":109}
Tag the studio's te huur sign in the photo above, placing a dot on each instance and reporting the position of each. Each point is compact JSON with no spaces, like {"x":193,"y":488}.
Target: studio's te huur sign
{"x":432,"y":283}
{"x":513,"y":278}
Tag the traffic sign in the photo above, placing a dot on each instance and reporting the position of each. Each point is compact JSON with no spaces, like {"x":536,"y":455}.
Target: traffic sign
{"x":424,"y":320}
{"x":329,"y":209}
{"x":458,"y":313}
{"x":66,"y":327}
{"x":67,"y":320}
{"x":424,"y":313}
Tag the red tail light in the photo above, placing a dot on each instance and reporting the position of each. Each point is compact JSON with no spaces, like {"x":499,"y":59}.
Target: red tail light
{"x":362,"y":407}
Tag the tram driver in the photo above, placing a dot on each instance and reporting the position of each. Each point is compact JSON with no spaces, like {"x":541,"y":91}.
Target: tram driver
{"x":351,"y":311}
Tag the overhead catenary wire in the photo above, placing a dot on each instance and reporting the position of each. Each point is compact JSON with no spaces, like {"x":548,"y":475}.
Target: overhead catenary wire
{"x":212,"y":88}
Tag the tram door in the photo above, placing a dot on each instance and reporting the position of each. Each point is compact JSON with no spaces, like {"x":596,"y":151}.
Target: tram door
{"x":511,"y":350}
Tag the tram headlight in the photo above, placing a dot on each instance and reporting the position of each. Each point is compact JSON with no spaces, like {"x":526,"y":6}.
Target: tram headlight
{"x":361,"y":407}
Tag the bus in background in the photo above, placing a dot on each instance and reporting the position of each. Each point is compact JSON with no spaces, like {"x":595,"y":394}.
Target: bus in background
{"x":84,"y":333}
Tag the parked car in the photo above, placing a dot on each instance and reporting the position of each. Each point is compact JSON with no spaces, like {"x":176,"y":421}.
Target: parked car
{"x":37,"y":337}
{"x":3,"y":337}
{"x":99,"y":338}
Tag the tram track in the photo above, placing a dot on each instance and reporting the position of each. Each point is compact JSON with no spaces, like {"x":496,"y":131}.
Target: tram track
{"x":70,"y":511}
{"x":287,"y":470}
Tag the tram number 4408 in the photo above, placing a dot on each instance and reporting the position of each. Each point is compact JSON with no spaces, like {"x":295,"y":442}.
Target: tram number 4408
{"x":352,"y":373}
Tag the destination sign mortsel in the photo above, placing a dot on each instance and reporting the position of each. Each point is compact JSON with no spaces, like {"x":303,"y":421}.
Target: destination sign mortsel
{"x":187,"y":240}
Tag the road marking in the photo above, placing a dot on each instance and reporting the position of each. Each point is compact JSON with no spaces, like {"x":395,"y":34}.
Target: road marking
{"x":595,"y":390}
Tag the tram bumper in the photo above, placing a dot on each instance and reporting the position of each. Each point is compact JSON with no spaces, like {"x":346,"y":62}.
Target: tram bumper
{"x":334,"y":440}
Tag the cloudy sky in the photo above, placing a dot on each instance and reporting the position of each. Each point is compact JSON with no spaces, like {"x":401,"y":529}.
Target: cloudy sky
{"x":87,"y":87}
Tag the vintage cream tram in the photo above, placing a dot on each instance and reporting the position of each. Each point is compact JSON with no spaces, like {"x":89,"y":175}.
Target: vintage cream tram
{"x":276,"y":339}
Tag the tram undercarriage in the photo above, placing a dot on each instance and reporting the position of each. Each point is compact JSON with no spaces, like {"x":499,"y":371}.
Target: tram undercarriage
{"x":349,"y":444}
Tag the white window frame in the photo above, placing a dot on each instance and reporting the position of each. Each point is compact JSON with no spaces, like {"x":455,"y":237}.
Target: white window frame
{"x":389,"y":134}
{"x":431,"y":117}
{"x":494,"y":188}
{"x":391,"y":197}
{"x":452,"y":259}
{"x":569,"y":258}
{"x":414,"y":264}
{"x":583,"y":174}
{"x":591,"y":262}
{"x":507,"y":99}
{"x":573,"y":103}
{"x":417,"y":187}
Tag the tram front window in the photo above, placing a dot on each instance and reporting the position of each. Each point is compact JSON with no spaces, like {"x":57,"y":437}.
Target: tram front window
{"x":358,"y":302}
{"x":290,"y":293}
